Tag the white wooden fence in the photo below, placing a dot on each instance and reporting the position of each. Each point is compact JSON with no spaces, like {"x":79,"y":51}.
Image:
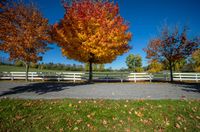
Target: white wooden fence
{"x":100,"y":76}
{"x":140,"y":77}
{"x":186,"y":76}
{"x":42,"y":76}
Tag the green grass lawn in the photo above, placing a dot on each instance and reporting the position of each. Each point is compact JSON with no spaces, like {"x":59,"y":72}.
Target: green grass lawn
{"x":99,"y":115}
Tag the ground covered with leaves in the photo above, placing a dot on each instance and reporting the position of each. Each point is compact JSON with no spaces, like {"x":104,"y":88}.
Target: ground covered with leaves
{"x":99,"y":115}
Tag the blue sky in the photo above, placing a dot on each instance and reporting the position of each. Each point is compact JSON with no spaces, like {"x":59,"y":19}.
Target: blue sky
{"x":145,"y":18}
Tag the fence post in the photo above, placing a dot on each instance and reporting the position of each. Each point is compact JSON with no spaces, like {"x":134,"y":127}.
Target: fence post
{"x":43,"y":77}
{"x":150,"y":77}
{"x":32,"y":77}
{"x":121,"y":77}
{"x":135,"y":77}
{"x":196,"y":78}
{"x":74,"y":78}
{"x":165,"y":76}
{"x":180,"y":77}
{"x":12,"y":77}
{"x":58,"y":77}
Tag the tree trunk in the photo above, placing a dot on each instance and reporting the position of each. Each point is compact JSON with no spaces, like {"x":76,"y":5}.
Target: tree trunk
{"x":27,"y":69}
{"x":90,"y":71}
{"x":171,"y":71}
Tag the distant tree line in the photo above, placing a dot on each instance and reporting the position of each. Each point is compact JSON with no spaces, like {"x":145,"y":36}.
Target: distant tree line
{"x":55,"y":66}
{"x":52,"y":66}
{"x":64,"y":67}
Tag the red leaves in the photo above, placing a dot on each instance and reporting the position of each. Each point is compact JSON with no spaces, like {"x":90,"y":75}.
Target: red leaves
{"x":170,"y":46}
{"x":92,"y":27}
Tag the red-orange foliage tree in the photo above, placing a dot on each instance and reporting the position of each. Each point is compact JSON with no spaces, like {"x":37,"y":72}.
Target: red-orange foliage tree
{"x":24,"y":32}
{"x":92,"y":31}
{"x":171,"y":46}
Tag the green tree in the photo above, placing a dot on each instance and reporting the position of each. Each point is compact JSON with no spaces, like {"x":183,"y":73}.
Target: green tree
{"x":134,"y":62}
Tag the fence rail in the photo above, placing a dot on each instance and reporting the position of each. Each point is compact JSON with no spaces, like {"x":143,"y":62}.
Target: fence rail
{"x":187,"y":76}
{"x":140,"y":76}
{"x":100,"y":76}
{"x":44,"y":76}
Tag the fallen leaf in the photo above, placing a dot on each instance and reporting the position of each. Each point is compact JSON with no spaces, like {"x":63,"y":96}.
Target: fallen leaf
{"x":197,"y":117}
{"x":18,"y":117}
{"x":139,"y":114}
{"x":88,"y":125}
{"x":75,"y":128}
{"x":159,"y":106}
{"x":177,"y":125}
{"x":104,"y":122}
{"x":79,"y":121}
{"x":127,"y":130}
{"x":166,"y":121}
{"x":88,"y":116}
{"x":114,"y":118}
{"x":61,"y":130}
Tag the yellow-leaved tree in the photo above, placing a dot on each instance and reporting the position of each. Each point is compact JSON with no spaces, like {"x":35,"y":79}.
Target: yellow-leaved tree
{"x":155,"y":66}
{"x":92,"y":31}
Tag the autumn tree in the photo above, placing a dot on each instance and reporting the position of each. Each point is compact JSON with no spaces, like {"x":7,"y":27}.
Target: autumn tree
{"x":171,"y":46}
{"x":24,"y":32}
{"x":177,"y":65}
{"x":134,"y":62}
{"x":92,"y":32}
{"x":155,"y":66}
{"x":196,"y":60}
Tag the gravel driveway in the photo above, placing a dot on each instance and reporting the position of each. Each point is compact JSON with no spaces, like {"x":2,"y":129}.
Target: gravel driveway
{"x":56,"y":90}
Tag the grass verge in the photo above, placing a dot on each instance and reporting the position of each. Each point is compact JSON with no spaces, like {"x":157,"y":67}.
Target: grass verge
{"x":99,"y":115}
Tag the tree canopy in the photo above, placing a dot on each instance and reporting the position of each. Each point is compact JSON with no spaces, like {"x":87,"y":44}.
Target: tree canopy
{"x":171,"y":46}
{"x":155,"y":66}
{"x":196,"y":60}
{"x":24,"y":32}
{"x":134,"y":62}
{"x":92,"y":32}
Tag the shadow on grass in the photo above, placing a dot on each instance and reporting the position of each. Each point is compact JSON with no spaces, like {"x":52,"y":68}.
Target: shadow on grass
{"x":42,"y":87}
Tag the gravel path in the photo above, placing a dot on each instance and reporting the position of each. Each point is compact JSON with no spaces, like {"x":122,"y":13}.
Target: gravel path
{"x":55,"y":90}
